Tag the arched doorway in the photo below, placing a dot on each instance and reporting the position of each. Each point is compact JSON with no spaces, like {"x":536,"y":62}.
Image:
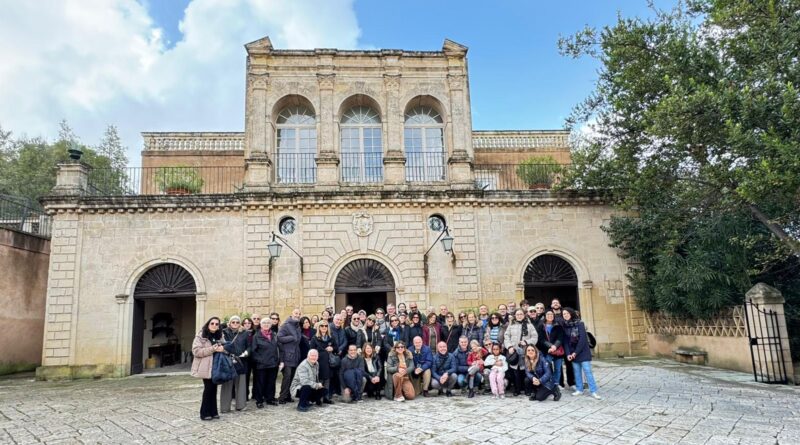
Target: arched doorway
{"x":365,"y":284}
{"x":164,"y":311}
{"x":548,"y":277}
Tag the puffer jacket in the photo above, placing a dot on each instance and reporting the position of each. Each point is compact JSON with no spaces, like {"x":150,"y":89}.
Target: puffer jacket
{"x":461,"y":360}
{"x":541,"y":371}
{"x":203,"y":354}
{"x":443,"y":364}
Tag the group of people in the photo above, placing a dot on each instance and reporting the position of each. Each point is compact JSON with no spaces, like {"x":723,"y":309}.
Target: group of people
{"x":399,"y":352}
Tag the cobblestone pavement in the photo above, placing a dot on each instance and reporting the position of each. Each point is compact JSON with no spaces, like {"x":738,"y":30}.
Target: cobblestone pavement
{"x":645,"y":401}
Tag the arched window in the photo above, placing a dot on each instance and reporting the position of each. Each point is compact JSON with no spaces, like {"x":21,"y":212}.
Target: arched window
{"x":361,"y":146}
{"x":424,"y":144}
{"x":297,"y":145}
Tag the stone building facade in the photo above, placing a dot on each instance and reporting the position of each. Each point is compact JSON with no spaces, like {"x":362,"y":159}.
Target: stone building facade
{"x":357,"y":161}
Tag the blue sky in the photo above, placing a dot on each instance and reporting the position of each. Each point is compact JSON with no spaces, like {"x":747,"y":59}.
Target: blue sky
{"x":178,"y":65}
{"x":517,"y":78}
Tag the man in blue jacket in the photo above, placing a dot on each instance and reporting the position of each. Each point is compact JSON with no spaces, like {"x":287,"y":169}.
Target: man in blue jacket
{"x":423,"y":360}
{"x":460,"y":356}
{"x":443,"y":371}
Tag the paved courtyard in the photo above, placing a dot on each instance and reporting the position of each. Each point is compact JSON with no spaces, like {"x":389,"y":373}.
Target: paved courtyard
{"x":645,"y":401}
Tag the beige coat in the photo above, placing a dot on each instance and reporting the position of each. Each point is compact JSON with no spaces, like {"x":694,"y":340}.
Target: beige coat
{"x":203,"y":354}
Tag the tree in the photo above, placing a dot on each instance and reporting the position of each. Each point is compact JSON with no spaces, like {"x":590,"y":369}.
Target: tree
{"x":28,"y":167}
{"x":695,"y":131}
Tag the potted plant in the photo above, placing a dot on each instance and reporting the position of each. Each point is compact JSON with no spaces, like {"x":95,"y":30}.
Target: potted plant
{"x":180,"y":180}
{"x":538,"y":172}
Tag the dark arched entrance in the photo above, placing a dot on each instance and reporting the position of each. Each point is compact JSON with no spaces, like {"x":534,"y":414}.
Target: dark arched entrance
{"x":365,"y":284}
{"x":548,"y":277}
{"x":164,"y":314}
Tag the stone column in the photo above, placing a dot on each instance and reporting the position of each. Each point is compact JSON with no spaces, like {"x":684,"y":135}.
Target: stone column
{"x":72,"y":179}
{"x":394,"y":161}
{"x":460,"y":161}
{"x":769,"y":299}
{"x":258,"y":134}
{"x":327,"y":158}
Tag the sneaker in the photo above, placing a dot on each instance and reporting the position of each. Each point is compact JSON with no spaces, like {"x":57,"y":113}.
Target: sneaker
{"x":399,"y":399}
{"x":596,"y":396}
{"x":502,"y":396}
{"x":259,"y":405}
{"x":449,"y":393}
{"x":495,"y":396}
{"x":577,"y":393}
{"x":302,"y":408}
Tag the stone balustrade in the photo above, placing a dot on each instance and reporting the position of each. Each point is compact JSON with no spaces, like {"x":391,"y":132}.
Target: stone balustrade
{"x":487,"y":140}
{"x":193,"y":141}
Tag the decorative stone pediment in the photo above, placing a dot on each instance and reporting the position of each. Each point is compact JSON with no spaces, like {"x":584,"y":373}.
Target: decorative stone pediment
{"x":260,"y":46}
{"x":452,"y":48}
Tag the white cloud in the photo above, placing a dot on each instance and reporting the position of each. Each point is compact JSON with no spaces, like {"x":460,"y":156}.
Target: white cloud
{"x":99,"y":62}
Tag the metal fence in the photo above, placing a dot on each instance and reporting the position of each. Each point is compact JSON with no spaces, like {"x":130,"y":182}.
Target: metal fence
{"x":518,"y":176}
{"x":426,"y":166}
{"x":362,"y":167}
{"x":165,"y":181}
{"x":295,"y":168}
{"x":25,"y":216}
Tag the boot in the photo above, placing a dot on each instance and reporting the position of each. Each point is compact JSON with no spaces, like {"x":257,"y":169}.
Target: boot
{"x":471,"y":393}
{"x":556,"y":393}
{"x":425,"y":393}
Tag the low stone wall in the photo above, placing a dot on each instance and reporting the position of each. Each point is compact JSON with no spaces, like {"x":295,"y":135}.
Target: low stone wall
{"x":723,"y":338}
{"x":24,"y":260}
{"x":723,"y":352}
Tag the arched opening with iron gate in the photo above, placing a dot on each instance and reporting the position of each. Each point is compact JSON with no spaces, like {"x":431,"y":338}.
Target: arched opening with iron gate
{"x":548,"y":277}
{"x":365,"y":284}
{"x":164,"y":314}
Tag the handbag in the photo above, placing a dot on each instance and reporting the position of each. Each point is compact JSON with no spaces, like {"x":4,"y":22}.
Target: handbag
{"x":238,"y":364}
{"x":334,"y":360}
{"x":222,"y":369}
{"x":591,"y":340}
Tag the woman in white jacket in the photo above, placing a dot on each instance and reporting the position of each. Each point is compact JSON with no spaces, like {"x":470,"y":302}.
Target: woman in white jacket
{"x":495,"y":367}
{"x":519,"y":334}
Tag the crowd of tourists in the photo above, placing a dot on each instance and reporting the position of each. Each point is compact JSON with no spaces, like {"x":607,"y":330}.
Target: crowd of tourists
{"x":400,"y":352}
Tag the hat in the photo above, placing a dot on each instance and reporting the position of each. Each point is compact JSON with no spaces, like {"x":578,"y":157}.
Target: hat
{"x":371,"y":317}
{"x":234,"y":318}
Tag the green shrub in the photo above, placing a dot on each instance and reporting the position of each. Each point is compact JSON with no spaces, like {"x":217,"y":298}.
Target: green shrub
{"x":181,"y":178}
{"x":538,"y":170}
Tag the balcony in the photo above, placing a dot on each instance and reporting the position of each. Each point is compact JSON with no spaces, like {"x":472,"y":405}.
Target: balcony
{"x":181,"y":180}
{"x":520,"y":176}
{"x":295,"y":168}
{"x":426,"y":166}
{"x":362,"y":167}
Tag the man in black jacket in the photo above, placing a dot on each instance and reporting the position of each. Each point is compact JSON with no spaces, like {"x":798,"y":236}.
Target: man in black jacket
{"x":289,"y":337}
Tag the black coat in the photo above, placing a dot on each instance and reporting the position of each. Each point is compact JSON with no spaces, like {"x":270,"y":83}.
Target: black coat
{"x":354,"y":337}
{"x":451,"y":335}
{"x":289,"y":338}
{"x":264,"y":353}
{"x":348,"y":363}
{"x":324,"y":359}
{"x":556,"y":337}
{"x":411,"y":332}
{"x":376,"y":363}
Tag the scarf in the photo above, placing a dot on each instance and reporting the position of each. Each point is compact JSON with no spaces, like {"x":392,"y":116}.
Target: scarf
{"x":267,"y":334}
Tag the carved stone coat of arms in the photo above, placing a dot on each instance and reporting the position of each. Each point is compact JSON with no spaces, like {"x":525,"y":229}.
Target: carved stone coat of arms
{"x":362,"y":224}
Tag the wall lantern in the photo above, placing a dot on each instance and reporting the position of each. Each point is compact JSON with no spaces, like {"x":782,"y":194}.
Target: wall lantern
{"x":275,"y":248}
{"x":447,"y":245}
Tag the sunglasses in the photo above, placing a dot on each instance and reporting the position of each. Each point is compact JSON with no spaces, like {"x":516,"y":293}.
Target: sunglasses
{"x":274,"y":318}
{"x":233,"y":322}
{"x":213,"y":324}
{"x":399,"y":347}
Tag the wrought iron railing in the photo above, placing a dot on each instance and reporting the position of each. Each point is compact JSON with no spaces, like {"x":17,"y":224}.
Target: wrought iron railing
{"x":362,"y":167}
{"x":165,"y":181}
{"x":522,"y":176}
{"x":426,"y":166}
{"x":25,"y":216}
{"x":295,"y":168}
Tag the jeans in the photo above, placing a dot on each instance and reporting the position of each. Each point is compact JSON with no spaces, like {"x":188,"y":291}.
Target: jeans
{"x":586,"y":367}
{"x":555,"y":364}
{"x":353,"y":379}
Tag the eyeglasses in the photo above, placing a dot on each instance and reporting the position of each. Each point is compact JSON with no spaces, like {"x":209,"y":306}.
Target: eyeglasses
{"x":233,"y":322}
{"x":213,"y":324}
{"x":399,"y":347}
{"x":495,"y":317}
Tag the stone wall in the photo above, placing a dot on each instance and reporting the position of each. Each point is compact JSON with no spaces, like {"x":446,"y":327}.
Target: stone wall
{"x":24,"y":262}
{"x":100,"y":251}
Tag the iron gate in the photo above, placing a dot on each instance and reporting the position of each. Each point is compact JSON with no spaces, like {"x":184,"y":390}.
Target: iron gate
{"x":766,"y":350}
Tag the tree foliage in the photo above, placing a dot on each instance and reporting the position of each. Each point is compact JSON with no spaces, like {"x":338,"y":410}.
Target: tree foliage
{"x":28,"y":166}
{"x":694,"y":127}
